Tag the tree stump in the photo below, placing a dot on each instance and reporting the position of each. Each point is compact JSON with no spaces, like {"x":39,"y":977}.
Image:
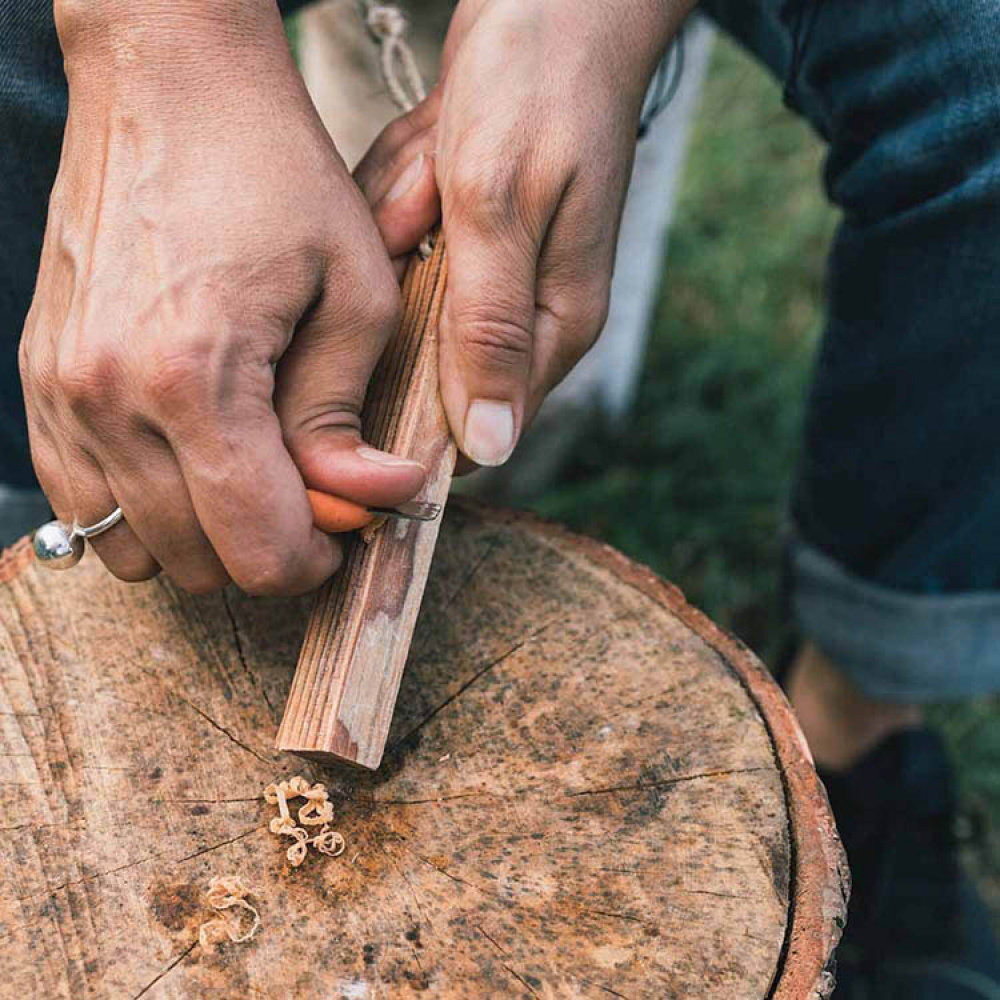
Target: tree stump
{"x":589,"y":792}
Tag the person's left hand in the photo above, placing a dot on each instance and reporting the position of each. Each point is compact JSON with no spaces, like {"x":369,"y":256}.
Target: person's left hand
{"x":530,"y":136}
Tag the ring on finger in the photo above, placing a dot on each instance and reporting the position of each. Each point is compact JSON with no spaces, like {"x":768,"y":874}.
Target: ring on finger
{"x":60,"y":546}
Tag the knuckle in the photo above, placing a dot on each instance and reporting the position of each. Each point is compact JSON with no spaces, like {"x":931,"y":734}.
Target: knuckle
{"x":177,"y":378}
{"x":484,"y":196}
{"x":86,"y":382}
{"x":397,"y":133}
{"x":271,"y":573}
{"x":580,"y":317}
{"x":501,"y":345}
{"x":373,"y":307}
{"x":588,"y":317}
{"x":37,"y":377}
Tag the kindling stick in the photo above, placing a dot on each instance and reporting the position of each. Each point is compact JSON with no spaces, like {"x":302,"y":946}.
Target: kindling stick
{"x":345,"y":685}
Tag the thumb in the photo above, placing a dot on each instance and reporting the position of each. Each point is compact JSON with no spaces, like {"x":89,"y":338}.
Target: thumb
{"x":320,"y":386}
{"x":487,"y":331}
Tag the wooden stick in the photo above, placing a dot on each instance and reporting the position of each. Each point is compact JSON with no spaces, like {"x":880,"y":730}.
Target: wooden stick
{"x":345,"y":685}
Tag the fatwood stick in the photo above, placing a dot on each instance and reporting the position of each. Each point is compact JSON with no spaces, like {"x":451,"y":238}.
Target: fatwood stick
{"x":345,"y":685}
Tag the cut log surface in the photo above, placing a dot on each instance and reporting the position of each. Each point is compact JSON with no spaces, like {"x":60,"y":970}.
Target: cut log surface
{"x":589,"y":792}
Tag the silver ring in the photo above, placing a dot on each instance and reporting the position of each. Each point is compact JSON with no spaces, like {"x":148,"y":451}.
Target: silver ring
{"x":60,"y":546}
{"x":105,"y":524}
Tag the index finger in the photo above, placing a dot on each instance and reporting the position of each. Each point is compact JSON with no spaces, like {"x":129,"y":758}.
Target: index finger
{"x":252,"y":504}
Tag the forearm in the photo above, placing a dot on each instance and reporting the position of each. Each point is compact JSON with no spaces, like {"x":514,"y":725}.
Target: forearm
{"x":163,"y":41}
{"x":149,"y":61}
{"x":648,"y":28}
{"x":89,"y":22}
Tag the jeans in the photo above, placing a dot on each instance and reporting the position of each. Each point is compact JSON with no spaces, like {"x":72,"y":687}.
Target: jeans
{"x":895,"y":558}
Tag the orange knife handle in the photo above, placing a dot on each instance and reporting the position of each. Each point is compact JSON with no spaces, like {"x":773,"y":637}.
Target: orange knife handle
{"x":335,"y":515}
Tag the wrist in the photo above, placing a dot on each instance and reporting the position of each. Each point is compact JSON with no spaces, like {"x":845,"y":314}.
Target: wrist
{"x":140,"y":35}
{"x":650,"y":26}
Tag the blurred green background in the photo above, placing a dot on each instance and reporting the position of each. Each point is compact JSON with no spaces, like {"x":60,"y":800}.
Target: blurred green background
{"x":696,"y":485}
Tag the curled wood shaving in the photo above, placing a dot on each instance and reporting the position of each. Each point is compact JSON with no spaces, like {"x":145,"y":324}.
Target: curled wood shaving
{"x":225,"y":892}
{"x":317,"y":811}
{"x":370,"y":530}
{"x":329,"y":842}
{"x":296,"y":854}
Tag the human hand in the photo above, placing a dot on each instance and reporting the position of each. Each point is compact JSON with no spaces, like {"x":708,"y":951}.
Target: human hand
{"x":211,"y":301}
{"x":530,"y":135}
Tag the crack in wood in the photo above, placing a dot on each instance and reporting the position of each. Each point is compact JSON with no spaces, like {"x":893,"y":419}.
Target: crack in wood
{"x":399,"y":871}
{"x":444,"y":871}
{"x":481,"y":672}
{"x":222,"y":843}
{"x":87,"y":878}
{"x":62,"y":825}
{"x":172,"y":965}
{"x":605,"y":989}
{"x":611,"y":913}
{"x":241,"y":655}
{"x":665,"y":782}
{"x":421,"y":802}
{"x":524,"y":982}
{"x":476,"y":566}
{"x":204,"y":715}
{"x":216,"y":802}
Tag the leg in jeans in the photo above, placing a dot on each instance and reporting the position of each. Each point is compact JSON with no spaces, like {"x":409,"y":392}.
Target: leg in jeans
{"x":895,"y":561}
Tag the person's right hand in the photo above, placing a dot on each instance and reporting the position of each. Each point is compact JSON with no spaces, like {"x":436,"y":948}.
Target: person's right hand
{"x":212,"y":298}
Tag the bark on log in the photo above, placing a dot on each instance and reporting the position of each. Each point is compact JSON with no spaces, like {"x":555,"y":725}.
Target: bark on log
{"x":589,"y":792}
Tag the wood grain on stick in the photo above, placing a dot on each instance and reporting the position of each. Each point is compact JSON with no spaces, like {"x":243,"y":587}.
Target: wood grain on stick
{"x":345,"y":686}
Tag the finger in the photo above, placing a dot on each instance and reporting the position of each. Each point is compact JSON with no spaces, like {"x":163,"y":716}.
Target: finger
{"x":494,"y":232}
{"x":407,"y":212}
{"x":321,"y":384}
{"x":465,"y":16}
{"x":246,"y":492}
{"x":163,"y":518}
{"x":251,"y":503}
{"x":403,"y":192}
{"x":86,"y":496}
{"x":383,"y":156}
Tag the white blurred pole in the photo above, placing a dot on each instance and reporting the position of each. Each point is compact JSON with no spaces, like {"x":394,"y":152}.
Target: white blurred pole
{"x":609,"y":374}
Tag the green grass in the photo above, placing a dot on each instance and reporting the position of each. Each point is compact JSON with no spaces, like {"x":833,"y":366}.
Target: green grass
{"x":704,"y":466}
{"x":696,"y":485}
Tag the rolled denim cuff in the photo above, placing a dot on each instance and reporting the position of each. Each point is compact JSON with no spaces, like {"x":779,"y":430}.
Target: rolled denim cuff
{"x":896,"y":645}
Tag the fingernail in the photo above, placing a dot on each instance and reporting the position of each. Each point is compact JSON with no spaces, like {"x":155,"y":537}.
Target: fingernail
{"x":406,"y":180}
{"x":385,"y":459}
{"x":489,"y":431}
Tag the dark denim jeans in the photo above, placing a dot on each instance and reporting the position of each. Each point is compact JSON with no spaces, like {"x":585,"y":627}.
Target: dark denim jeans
{"x":896,"y":559}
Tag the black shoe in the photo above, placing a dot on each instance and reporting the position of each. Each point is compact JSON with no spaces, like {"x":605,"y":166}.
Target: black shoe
{"x":916,"y":928}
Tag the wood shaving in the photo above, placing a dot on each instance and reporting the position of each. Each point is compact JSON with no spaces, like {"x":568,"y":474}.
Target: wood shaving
{"x":370,"y":530}
{"x":226,"y":892}
{"x":329,"y":842}
{"x":317,"y":811}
